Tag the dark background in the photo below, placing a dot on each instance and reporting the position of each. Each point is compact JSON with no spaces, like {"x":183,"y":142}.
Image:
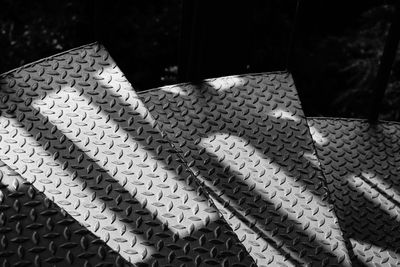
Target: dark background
{"x":334,"y":61}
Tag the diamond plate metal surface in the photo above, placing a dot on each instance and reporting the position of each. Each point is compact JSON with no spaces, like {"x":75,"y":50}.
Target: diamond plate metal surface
{"x":73,"y":127}
{"x":246,"y":139}
{"x":35,"y":232}
{"x":361,"y":163}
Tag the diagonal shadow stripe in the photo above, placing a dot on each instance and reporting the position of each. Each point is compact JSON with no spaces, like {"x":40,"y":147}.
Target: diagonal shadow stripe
{"x":35,"y":231}
{"x":380,"y":190}
{"x":359,"y":161}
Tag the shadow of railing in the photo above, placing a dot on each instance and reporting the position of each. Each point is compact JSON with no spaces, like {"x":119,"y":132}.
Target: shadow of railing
{"x":34,"y":231}
{"x":367,"y":213}
{"x":278,"y":222}
{"x":191,"y":113}
{"x":380,"y":190}
{"x":296,"y":241}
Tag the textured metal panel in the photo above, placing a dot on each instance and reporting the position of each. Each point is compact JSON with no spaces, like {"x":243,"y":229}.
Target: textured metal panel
{"x":246,"y":138}
{"x":73,"y":127}
{"x":361,"y":163}
{"x":35,"y":232}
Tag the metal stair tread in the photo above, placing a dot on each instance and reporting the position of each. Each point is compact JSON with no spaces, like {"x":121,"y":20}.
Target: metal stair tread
{"x":361,"y":164}
{"x":247,"y":140}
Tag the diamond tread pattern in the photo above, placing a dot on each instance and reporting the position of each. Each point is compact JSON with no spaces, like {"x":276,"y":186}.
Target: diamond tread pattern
{"x":361,"y":163}
{"x":35,"y":232}
{"x":73,"y":127}
{"x":246,"y":138}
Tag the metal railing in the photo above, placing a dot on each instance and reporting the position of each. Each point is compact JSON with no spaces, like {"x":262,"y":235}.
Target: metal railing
{"x":389,"y":54}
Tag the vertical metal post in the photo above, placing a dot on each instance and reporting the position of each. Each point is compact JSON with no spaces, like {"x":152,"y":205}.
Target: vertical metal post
{"x":188,"y":65}
{"x":214,"y":38}
{"x":292,"y":37}
{"x":387,"y":59}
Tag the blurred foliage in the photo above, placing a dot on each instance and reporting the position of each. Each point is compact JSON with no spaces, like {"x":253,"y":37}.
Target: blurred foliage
{"x":27,"y":33}
{"x":342,"y":56}
{"x":336,"y":53}
{"x":141,"y":36}
{"x":362,"y":53}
